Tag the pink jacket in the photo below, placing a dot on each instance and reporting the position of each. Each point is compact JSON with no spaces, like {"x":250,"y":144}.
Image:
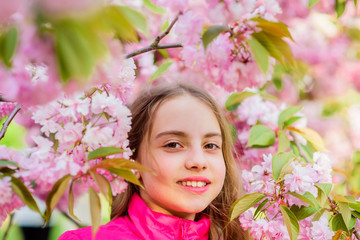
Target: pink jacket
{"x":143,"y":223}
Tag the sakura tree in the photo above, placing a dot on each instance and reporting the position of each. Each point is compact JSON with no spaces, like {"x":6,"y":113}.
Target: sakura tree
{"x":286,"y":74}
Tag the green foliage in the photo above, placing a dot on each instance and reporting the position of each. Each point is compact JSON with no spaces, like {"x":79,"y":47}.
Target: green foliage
{"x":244,"y":203}
{"x":340,"y":7}
{"x":152,"y":7}
{"x":235,"y":99}
{"x":307,"y":198}
{"x":287,"y":114}
{"x":279,"y":161}
{"x":211,"y":33}
{"x":302,"y":212}
{"x":21,"y":190}
{"x":260,"y":207}
{"x":291,"y":222}
{"x":55,"y":194}
{"x":103,"y":152}
{"x":260,"y":136}
{"x":126,"y":174}
{"x":337,"y":223}
{"x":284,"y":142}
{"x":71,"y":202}
{"x":135,"y":18}
{"x":260,"y":54}
{"x":277,"y":29}
{"x":8,"y":45}
{"x":311,"y":3}
{"x":161,"y":70}
{"x":95,"y":210}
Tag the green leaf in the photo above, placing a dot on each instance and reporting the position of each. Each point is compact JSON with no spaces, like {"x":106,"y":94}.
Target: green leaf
{"x":71,"y":202}
{"x":279,"y":160}
{"x":95,"y":210}
{"x":4,"y":162}
{"x":287,"y":114}
{"x":24,"y":194}
{"x":284,"y":142}
{"x":104,"y":151}
{"x":312,"y":3}
{"x":291,"y":222}
{"x":261,"y":136}
{"x":121,"y":163}
{"x":345,"y":213}
{"x":236,"y":98}
{"x":76,"y":49}
{"x":275,"y":46}
{"x":244,"y":203}
{"x":355,"y":2}
{"x":355,"y":206}
{"x":260,"y":54}
{"x":260,"y":207}
{"x":152,"y":7}
{"x":8,"y":45}
{"x":356,"y":214}
{"x":307,"y":198}
{"x":277,"y":29}
{"x":302,"y":212}
{"x":161,"y":70}
{"x":318,"y":215}
{"x":337,"y":223}
{"x":104,"y":185}
{"x":291,"y":120}
{"x":325,"y":187}
{"x":340,"y":7}
{"x":135,"y":18}
{"x":126,"y":174}
{"x":115,"y":20}
{"x":211,"y":33}
{"x":312,"y":136}
{"x":55,"y":194}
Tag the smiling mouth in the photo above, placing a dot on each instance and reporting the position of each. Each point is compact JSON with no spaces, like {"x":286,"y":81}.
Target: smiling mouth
{"x":195,"y":184}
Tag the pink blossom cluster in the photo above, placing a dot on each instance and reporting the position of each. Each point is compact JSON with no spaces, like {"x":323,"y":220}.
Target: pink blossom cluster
{"x":71,"y":127}
{"x":302,"y":178}
{"x":9,"y":201}
{"x":33,"y":78}
{"x":6,"y":108}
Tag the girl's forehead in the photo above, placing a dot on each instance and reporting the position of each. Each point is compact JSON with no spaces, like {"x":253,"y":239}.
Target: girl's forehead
{"x":184,"y":112}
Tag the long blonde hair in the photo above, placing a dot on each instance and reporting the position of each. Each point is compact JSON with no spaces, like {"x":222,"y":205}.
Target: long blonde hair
{"x":143,"y":109}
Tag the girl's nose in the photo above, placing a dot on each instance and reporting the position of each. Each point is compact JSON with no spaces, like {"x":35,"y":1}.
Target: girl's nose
{"x":196,"y":160}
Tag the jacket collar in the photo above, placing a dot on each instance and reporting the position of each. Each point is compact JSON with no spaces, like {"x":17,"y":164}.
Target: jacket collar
{"x":150,"y":225}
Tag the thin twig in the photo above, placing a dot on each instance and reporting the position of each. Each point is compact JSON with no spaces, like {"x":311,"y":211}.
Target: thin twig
{"x":155,"y":44}
{"x":11,"y":215}
{"x":302,"y":153}
{"x":72,"y":220}
{"x":150,"y":48}
{"x":8,"y":120}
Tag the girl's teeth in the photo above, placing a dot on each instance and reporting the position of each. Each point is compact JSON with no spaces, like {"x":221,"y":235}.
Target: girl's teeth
{"x":193,"y":184}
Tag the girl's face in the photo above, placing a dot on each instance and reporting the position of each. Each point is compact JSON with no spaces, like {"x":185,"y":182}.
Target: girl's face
{"x":185,"y":153}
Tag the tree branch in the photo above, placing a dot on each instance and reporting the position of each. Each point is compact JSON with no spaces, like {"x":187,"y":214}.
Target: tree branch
{"x":155,"y":44}
{"x":8,"y":120}
{"x":302,"y":153}
{"x":150,"y":48}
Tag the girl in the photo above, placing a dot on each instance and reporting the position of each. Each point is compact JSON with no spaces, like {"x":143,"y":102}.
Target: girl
{"x":180,"y":134}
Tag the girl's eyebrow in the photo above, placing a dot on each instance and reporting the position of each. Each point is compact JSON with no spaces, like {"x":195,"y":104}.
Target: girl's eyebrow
{"x":182,"y":134}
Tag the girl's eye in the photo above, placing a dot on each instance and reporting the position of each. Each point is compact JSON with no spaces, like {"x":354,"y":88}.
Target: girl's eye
{"x":211,"y":146}
{"x":173,"y":145}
